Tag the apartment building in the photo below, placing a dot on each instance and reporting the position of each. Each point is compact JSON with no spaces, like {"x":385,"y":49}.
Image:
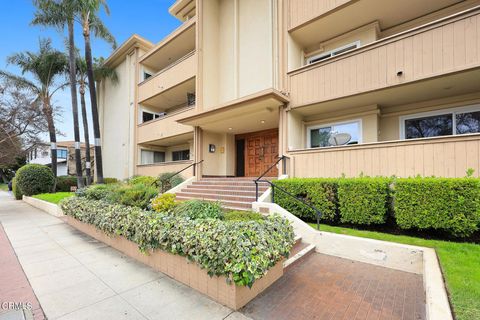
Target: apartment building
{"x":241,"y":82}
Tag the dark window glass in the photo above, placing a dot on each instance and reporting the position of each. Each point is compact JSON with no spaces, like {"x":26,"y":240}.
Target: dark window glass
{"x":62,"y":154}
{"x":147,"y":116}
{"x":146,"y":75}
{"x":468,"y":122}
{"x":181,"y":155}
{"x":433,"y":126}
{"x":158,"y":156}
{"x":319,"y":137}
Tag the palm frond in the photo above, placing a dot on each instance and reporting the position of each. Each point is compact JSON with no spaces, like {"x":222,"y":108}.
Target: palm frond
{"x":18,"y":81}
{"x":100,"y":31}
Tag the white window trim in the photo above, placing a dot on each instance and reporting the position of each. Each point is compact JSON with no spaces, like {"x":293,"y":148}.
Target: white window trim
{"x":151,"y":150}
{"x":360,"y":129}
{"x":453,"y":111}
{"x":331,"y":52}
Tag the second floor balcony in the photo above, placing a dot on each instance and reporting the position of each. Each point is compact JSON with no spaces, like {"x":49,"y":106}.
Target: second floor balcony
{"x":433,"y":54}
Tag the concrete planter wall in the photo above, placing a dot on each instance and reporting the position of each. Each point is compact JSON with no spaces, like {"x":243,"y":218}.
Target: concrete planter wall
{"x":48,"y":207}
{"x":182,"y":270}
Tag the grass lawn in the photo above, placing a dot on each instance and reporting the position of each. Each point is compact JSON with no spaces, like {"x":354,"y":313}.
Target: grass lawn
{"x":460,"y":264}
{"x":3,"y":187}
{"x":53,"y":197}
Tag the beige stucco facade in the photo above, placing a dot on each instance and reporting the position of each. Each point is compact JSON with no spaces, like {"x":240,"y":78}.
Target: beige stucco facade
{"x":236,"y":68}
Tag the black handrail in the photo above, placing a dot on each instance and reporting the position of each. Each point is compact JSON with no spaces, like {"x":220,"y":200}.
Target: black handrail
{"x":178,"y":172}
{"x":308,"y":204}
{"x":284,"y":169}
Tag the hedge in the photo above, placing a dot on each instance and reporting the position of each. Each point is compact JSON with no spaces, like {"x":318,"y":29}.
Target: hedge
{"x":363,"y":200}
{"x":242,"y":251}
{"x":451,"y":205}
{"x":321,"y":192}
{"x":64,"y":183}
{"x":446,"y":204}
{"x":16,"y":189}
{"x":35,"y":179}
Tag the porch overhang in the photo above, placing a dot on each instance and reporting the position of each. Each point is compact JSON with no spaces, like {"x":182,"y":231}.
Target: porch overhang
{"x":251,"y":113}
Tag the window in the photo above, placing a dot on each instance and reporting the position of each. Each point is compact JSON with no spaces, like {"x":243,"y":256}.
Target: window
{"x":62,"y":154}
{"x":181,"y":155}
{"x":149,"y":116}
{"x":335,"y":52}
{"x":319,"y":136}
{"x":150,"y":157}
{"x":441,"y":123}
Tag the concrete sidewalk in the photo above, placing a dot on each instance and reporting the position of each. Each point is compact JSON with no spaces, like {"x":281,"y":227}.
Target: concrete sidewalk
{"x":77,"y":277}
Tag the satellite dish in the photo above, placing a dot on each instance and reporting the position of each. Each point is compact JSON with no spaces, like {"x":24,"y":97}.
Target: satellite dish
{"x":339,"y":139}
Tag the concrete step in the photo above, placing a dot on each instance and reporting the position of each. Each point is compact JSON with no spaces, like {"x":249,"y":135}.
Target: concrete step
{"x":229,"y":183}
{"x":299,"y":252}
{"x":218,"y":197}
{"x":229,"y":204}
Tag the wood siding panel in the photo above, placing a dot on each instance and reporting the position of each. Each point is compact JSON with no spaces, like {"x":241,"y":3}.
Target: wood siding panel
{"x":301,"y":11}
{"x":448,"y":157}
{"x":430,"y":52}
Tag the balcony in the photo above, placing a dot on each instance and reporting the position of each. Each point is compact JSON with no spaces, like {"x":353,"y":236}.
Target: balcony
{"x":439,"y":156}
{"x":154,"y":170}
{"x":169,"y":86}
{"x":164,"y":127}
{"x":424,"y":62}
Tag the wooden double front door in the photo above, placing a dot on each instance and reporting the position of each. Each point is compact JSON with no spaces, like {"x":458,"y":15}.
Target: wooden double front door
{"x":260,"y":151}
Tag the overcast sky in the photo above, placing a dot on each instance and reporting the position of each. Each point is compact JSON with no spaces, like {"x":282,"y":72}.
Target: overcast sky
{"x":148,"y":18}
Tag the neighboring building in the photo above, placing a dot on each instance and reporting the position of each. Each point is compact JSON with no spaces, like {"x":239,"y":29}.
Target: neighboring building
{"x":41,"y":154}
{"x":243,"y":81}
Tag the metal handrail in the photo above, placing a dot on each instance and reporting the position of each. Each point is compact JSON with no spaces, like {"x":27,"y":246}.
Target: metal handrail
{"x":308,"y":204}
{"x":284,"y":169}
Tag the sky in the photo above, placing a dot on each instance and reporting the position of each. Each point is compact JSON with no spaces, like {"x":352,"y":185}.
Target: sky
{"x":147,"y":18}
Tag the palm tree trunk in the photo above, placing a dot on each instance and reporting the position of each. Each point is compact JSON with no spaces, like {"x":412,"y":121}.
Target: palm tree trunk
{"x":85,"y":133}
{"x":93,"y":102}
{"x":73,"y":92}
{"x":47,"y":110}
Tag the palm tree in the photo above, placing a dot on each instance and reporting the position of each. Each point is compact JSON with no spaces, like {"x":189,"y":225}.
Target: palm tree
{"x":59,"y":14}
{"x":101,"y":71}
{"x":45,"y":66}
{"x":88,"y":12}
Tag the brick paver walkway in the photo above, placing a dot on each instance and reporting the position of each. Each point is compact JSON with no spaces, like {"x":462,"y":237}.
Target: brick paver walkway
{"x":14,"y":286}
{"x":327,"y":287}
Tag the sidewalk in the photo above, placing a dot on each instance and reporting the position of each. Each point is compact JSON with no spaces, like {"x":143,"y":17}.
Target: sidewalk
{"x":76,"y":277}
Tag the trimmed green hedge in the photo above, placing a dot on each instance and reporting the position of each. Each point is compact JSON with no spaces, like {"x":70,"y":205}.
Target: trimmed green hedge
{"x":35,"y":179}
{"x":448,"y":204}
{"x":363,"y":200}
{"x":321,"y":192}
{"x":16,"y":189}
{"x":242,"y":251}
{"x":451,"y":205}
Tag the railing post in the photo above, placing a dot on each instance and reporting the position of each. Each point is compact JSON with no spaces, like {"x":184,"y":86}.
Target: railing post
{"x":273,"y":193}
{"x":194,"y":167}
{"x":256,"y":190}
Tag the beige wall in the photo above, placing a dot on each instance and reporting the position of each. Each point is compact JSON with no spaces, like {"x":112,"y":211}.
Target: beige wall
{"x":302,"y":11}
{"x":237,"y":43}
{"x":164,"y":127}
{"x":450,"y":47}
{"x":117,"y":114}
{"x":219,"y":163}
{"x":154,"y":170}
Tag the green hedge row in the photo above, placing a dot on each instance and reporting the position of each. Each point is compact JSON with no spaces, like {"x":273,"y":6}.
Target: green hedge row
{"x":451,"y":205}
{"x":243,"y":251}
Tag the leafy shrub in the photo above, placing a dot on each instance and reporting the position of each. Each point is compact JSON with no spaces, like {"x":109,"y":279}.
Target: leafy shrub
{"x":363,"y":200}
{"x":146,"y":180}
{"x":241,"y":251}
{"x":64,"y":183}
{"x":199,"y":209}
{"x":321,"y":192}
{"x":448,"y":204}
{"x":16,"y":189}
{"x":98,"y":191}
{"x":34,"y":179}
{"x":164,"y":203}
{"x":110,"y":180}
{"x":168,"y":180}
{"x":237,"y":215}
{"x":138,"y":195}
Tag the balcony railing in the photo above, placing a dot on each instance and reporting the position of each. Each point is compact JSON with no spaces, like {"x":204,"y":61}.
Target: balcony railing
{"x":163,"y":167}
{"x":442,"y":47}
{"x":164,"y":127}
{"x":441,"y":156}
{"x":176,"y":73}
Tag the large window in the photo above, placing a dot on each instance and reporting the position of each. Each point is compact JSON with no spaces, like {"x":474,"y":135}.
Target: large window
{"x":319,"y":136}
{"x":150,"y":157}
{"x":181,"y":155}
{"x":332,"y":53}
{"x":441,"y":123}
{"x":62,"y":153}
